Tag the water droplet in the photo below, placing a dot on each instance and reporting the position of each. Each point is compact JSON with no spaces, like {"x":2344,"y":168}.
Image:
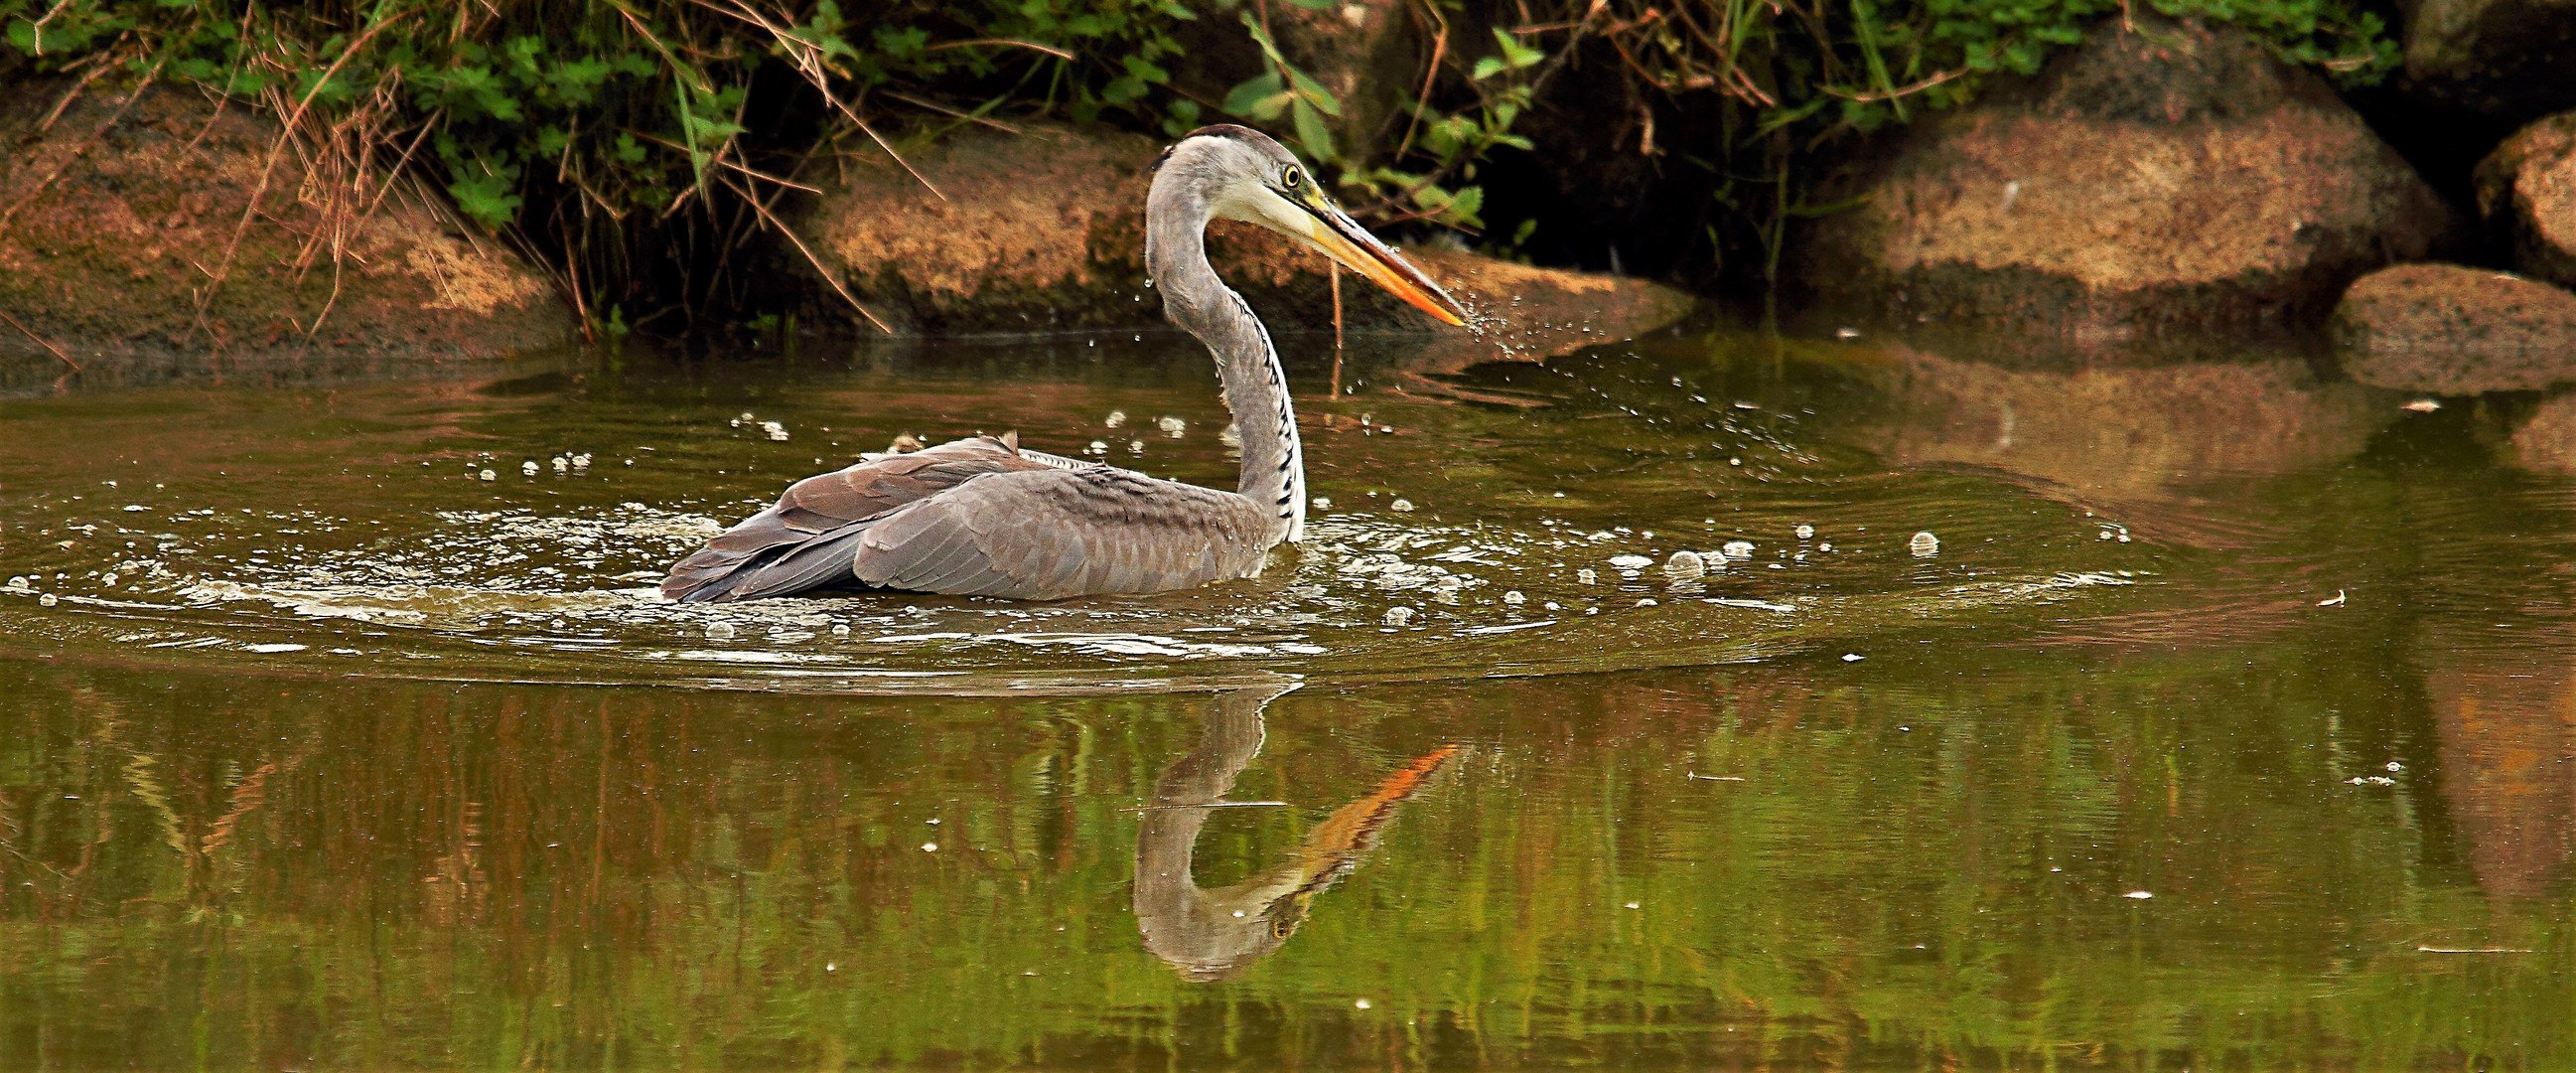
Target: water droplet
{"x":1683,"y":565}
{"x":718,"y":631}
{"x":1362,"y":1004}
{"x":1322,"y":503}
{"x":1854,"y":657}
{"x":2138,"y":894}
{"x":1172,"y":426}
{"x":1585,"y":576}
{"x":1514,"y":598}
{"x":108,"y":580}
{"x":1115,"y":418}
{"x":930,"y":847}
{"x":1399,"y":615}
{"x":1924,"y":545}
{"x":1631,"y":562}
{"x":562,"y":464}
{"x":1804,"y":531}
{"x":49,"y":599}
{"x":1401,"y":506}
{"x":491,"y":476}
{"x":1739,"y":549}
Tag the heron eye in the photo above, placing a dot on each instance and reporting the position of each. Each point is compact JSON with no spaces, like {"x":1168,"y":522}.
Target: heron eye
{"x":1290,"y":178}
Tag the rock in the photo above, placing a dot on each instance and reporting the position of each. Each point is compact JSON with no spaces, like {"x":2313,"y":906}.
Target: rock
{"x":1042,"y":230}
{"x":105,"y":261}
{"x":2527,"y":197}
{"x":2170,"y":177}
{"x":2450,"y":330}
{"x":2546,"y":442}
{"x":2503,"y":59}
{"x":2130,"y":444}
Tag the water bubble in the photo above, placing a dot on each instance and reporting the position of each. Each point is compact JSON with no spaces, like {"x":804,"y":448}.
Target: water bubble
{"x":562,"y":464}
{"x":49,"y":599}
{"x":1685,"y":564}
{"x":2395,"y":766}
{"x":1322,"y":503}
{"x":108,"y":580}
{"x":1827,"y":546}
{"x":1738,"y":549}
{"x":1804,"y":531}
{"x":777,"y":432}
{"x":1646,"y":603}
{"x":2138,"y":894}
{"x":1135,"y":447}
{"x":930,"y":847}
{"x":18,"y":582}
{"x":1585,"y":576}
{"x":581,"y":461}
{"x":1401,"y":506}
{"x":491,"y":476}
{"x":840,"y":629}
{"x":1924,"y":545}
{"x":135,"y":508}
{"x":1172,"y":426}
{"x":1631,"y":562}
{"x":718,"y":631}
{"x":1398,"y":615}
{"x":1098,"y":447}
{"x":528,"y":467}
{"x":1514,"y":598}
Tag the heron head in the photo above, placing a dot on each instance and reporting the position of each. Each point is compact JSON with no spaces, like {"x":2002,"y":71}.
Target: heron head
{"x":1249,"y":177}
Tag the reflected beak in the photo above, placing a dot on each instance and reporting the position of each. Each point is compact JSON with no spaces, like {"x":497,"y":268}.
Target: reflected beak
{"x":1333,"y":232}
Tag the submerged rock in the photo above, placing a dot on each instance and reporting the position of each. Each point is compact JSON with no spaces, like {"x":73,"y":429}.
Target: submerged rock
{"x":120,"y":212}
{"x":2547,"y":440}
{"x":2527,"y":197}
{"x":1041,"y":229}
{"x":2450,"y":330}
{"x":2161,"y":177}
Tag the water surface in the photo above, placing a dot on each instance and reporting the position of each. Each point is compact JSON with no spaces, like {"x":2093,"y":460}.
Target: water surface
{"x":2223,"y":720}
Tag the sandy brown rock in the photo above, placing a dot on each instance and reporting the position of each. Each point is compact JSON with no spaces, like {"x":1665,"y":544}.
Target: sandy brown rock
{"x":2527,"y":197}
{"x":2509,"y":59}
{"x":2507,"y":724}
{"x":108,"y":259}
{"x":2456,"y":331}
{"x":2116,"y":440}
{"x":2547,"y":440}
{"x":1042,"y":230}
{"x":2168,"y":177}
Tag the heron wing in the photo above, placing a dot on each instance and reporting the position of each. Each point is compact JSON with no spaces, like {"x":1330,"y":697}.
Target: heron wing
{"x":979,"y":517}
{"x":1047,"y":534}
{"x":787,"y":547}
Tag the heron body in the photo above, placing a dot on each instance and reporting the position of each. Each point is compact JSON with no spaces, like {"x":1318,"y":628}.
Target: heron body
{"x":983,"y":517}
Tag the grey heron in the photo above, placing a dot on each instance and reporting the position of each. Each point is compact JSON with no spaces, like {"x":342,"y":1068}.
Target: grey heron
{"x":1209,"y":933}
{"x":982,"y":516}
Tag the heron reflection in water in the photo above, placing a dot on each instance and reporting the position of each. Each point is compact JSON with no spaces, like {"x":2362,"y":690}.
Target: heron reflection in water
{"x":983,"y":516}
{"x":1209,"y":934}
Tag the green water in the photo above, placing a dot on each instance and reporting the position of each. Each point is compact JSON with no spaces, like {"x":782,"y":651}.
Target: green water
{"x":2231,"y":724}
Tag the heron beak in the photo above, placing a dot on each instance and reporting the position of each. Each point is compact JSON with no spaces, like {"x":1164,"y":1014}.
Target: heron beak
{"x":1337,"y":236}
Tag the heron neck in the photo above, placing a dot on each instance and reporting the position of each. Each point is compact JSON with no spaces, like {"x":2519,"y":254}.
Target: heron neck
{"x":1256,"y":387}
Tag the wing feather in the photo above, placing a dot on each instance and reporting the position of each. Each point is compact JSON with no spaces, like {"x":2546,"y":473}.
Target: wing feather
{"x":978,"y":517}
